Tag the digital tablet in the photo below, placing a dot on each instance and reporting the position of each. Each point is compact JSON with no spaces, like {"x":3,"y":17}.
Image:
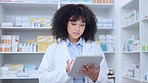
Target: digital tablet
{"x":81,"y":60}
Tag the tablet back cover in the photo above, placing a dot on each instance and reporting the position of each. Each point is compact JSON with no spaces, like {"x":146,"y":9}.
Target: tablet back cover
{"x":81,"y":60}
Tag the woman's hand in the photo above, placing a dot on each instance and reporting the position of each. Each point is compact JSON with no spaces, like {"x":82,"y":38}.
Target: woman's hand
{"x":90,"y":71}
{"x":69,"y":62}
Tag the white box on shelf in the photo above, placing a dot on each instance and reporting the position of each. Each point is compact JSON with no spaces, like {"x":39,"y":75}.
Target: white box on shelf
{"x":6,"y":24}
{"x":102,"y":37}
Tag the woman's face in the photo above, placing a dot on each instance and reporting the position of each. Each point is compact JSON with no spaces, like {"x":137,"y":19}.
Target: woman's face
{"x":75,"y":30}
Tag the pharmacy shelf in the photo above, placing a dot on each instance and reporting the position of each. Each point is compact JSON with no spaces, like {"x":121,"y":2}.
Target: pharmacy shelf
{"x":144,"y":51}
{"x":107,"y":52}
{"x":22,"y":52}
{"x":40,"y":28}
{"x":131,"y":52}
{"x":106,"y":28}
{"x":132,"y":25}
{"x":136,"y":79}
{"x":14,"y":9}
{"x":2,"y":78}
{"x":132,"y":4}
{"x":144,"y":81}
{"x":19,"y":77}
{"x":36,"y":52}
{"x":96,"y":5}
{"x":93,"y":4}
{"x":29,"y":5}
{"x":25,"y":28}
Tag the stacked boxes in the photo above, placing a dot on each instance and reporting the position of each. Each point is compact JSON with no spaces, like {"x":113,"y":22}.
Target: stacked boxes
{"x":106,"y":42}
{"x":133,"y":44}
{"x":108,"y":23}
{"x":105,"y":23}
{"x":43,"y":1}
{"x":7,"y":24}
{"x":88,"y":1}
{"x":18,"y":70}
{"x":11,"y":70}
{"x":9,"y":39}
{"x":5,"y":0}
{"x":9,"y":43}
{"x":4,"y":71}
{"x":30,"y":69}
{"x":32,"y":21}
{"x":102,"y":39}
{"x":44,"y":42}
{"x":110,"y":43}
{"x":103,"y":1}
{"x":130,"y":18}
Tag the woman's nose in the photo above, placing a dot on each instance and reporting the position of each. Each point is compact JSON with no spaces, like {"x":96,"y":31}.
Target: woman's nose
{"x":77,"y":27}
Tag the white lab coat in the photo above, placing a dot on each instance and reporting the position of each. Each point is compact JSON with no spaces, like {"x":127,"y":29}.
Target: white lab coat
{"x":53,"y":65}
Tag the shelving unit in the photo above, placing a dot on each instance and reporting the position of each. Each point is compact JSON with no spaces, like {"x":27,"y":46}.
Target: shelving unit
{"x":15,"y":78}
{"x":144,"y":40}
{"x":139,"y":29}
{"x":25,"y":28}
{"x":32,"y":77}
{"x":22,"y":53}
{"x":132,"y":25}
{"x":132,"y":78}
{"x":107,"y":11}
{"x":131,"y":52}
{"x":9,"y":11}
{"x":1,"y":16}
{"x":29,"y":5}
{"x":130,"y":30}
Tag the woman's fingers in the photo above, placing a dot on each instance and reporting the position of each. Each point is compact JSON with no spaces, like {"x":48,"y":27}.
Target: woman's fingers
{"x":69,"y":62}
{"x":91,"y":65}
{"x":86,"y":68}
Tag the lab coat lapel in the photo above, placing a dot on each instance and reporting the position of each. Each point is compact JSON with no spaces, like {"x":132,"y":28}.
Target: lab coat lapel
{"x":65,"y":49}
{"x":86,"y":47}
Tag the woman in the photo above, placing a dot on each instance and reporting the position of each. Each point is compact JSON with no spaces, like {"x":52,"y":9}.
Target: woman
{"x":74,"y":28}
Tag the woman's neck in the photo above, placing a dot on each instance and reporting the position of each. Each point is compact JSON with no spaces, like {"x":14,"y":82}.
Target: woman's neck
{"x":73,"y":41}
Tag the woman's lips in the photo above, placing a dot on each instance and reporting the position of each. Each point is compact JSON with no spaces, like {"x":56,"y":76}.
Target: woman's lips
{"x":76,"y":33}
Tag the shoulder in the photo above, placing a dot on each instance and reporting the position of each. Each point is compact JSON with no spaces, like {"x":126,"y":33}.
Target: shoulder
{"x":50,"y":48}
{"x":55,"y":45}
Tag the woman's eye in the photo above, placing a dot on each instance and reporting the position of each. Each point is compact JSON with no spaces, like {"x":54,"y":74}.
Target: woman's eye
{"x":82,"y":25}
{"x":73,"y":23}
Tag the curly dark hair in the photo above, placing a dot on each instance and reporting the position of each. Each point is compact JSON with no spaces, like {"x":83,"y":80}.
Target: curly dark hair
{"x":76,"y":11}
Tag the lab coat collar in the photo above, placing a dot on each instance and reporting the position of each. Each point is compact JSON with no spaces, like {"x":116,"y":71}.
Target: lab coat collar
{"x":79,"y":42}
{"x":86,"y":48}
